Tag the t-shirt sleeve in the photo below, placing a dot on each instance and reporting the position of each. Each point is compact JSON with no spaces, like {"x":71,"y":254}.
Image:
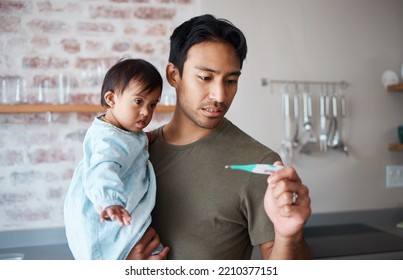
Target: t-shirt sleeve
{"x":260,"y":227}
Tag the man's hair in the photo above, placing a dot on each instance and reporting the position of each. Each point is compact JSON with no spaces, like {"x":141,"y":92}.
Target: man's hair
{"x":205,"y":28}
{"x":124,"y":71}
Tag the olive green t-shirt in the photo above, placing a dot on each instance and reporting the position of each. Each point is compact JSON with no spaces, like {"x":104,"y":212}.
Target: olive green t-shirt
{"x":204,"y":211}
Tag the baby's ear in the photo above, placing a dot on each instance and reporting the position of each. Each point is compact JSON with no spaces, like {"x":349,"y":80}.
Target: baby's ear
{"x":110,"y":98}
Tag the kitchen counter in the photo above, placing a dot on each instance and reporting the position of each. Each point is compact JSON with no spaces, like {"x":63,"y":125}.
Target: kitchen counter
{"x":368,"y":234}
{"x":363,"y":235}
{"x":39,"y":244}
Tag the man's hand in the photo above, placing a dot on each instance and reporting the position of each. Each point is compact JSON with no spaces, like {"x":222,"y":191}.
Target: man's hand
{"x":147,"y":244}
{"x":116,"y":212}
{"x":288,"y":217}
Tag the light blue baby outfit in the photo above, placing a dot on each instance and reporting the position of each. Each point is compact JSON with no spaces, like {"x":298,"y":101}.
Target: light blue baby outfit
{"x":115,"y":170}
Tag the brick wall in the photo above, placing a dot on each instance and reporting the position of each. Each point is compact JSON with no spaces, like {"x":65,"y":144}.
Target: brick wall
{"x":41,"y":40}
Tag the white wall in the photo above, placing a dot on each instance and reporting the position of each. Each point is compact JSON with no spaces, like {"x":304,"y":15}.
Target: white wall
{"x":331,"y":40}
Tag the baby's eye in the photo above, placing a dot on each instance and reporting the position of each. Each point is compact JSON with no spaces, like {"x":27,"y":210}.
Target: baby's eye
{"x":152,"y":106}
{"x":138,"y":101}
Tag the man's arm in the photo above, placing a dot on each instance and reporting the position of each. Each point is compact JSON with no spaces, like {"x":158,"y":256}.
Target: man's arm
{"x":288,"y":215}
{"x":285,"y":250}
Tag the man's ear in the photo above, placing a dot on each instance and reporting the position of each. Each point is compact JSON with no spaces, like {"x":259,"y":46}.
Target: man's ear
{"x":173,"y":76}
{"x":110,"y":98}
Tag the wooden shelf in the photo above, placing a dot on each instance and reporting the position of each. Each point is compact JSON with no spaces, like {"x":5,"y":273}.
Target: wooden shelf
{"x":398,"y":87}
{"x":44,"y":108}
{"x":395,"y":147}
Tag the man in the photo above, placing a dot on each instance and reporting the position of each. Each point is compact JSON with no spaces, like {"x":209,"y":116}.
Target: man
{"x":204,"y":211}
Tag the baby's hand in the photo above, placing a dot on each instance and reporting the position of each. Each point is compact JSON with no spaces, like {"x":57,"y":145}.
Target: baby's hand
{"x":116,"y":212}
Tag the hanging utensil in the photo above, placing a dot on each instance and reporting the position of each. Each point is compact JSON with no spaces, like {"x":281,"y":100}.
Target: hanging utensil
{"x":336,"y":136}
{"x":310,"y":140}
{"x":343,"y":145}
{"x":286,"y":151}
{"x":322,"y":123}
{"x":295,"y":142}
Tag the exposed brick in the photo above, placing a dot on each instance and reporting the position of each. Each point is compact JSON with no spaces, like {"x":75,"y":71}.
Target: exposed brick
{"x":86,"y":117}
{"x":130,"y":1}
{"x":40,"y":80}
{"x":52,"y":80}
{"x":110,"y":12}
{"x":28,"y":214}
{"x":15,"y":7}
{"x":70,"y":45}
{"x":155,"y":13}
{"x":144,"y":48}
{"x":47,"y":6}
{"x":92,"y":27}
{"x":121,"y":46}
{"x":165,"y":48}
{"x":174,"y":1}
{"x":11,"y":157}
{"x":58,"y":118}
{"x":9,"y":24}
{"x":93,"y":46}
{"x":85,"y":98}
{"x":67,"y":174}
{"x":36,"y":118}
{"x":32,"y":138}
{"x":157,"y":30}
{"x":10,"y":198}
{"x":83,"y":63}
{"x":40,"y":42}
{"x":76,"y":135}
{"x":44,"y":63}
{"x":25,"y":177}
{"x":16,"y":45}
{"x":130,"y":30}
{"x":41,"y":38}
{"x":48,"y":26}
{"x":55,"y":193}
{"x":24,"y":118}
{"x":50,"y":156}
{"x":50,"y":177}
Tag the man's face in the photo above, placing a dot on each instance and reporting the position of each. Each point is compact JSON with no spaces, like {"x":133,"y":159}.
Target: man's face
{"x":209,"y":83}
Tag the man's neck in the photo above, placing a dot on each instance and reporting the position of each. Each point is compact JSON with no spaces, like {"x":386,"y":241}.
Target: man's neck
{"x":182,"y":131}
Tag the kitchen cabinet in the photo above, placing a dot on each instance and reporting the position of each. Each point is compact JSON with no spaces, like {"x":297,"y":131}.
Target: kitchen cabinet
{"x":395,"y":147}
{"x":53,"y":108}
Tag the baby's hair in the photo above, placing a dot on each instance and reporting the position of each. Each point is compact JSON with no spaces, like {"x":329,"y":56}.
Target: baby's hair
{"x":129,"y":69}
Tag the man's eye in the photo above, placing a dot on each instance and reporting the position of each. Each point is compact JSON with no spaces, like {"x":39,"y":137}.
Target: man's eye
{"x":204,"y":78}
{"x":232,"y":81}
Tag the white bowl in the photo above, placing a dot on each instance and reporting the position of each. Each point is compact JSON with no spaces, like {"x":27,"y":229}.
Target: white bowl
{"x":389,"y":78}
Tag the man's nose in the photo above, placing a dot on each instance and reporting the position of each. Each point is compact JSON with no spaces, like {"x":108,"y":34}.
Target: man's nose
{"x":217,"y":92}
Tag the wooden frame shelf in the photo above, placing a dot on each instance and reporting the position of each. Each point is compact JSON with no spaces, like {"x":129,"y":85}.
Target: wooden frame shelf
{"x":398,"y":87}
{"x":395,"y":147}
{"x":53,"y":108}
